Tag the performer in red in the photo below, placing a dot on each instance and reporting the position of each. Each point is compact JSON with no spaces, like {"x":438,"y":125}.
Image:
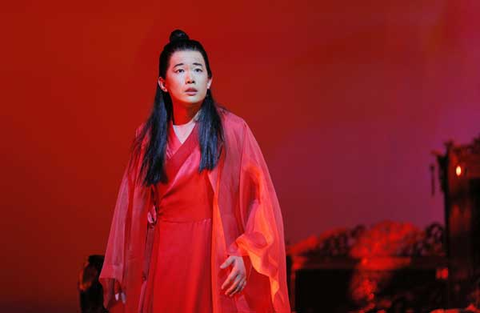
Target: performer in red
{"x":197,"y":226}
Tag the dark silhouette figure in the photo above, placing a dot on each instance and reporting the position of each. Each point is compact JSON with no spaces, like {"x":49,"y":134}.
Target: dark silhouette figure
{"x":91,"y":291}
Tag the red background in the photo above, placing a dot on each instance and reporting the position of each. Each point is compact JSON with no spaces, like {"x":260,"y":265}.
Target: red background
{"x":346,"y":98}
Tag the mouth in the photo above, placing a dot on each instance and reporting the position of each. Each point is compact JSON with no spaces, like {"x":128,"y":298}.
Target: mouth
{"x":191,"y":90}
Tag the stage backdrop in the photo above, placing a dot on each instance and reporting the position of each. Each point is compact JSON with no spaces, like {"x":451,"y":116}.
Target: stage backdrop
{"x":346,"y":98}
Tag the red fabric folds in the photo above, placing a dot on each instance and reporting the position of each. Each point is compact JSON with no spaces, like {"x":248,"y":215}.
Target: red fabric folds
{"x":246,"y":221}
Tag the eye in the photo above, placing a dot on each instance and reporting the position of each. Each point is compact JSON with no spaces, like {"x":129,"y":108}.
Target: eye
{"x":177,"y":71}
{"x":198,"y":70}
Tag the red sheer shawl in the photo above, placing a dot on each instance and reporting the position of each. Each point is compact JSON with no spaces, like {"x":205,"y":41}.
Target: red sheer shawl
{"x":247,"y":221}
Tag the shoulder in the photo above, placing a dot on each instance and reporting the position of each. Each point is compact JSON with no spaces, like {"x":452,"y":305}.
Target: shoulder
{"x":237,"y":132}
{"x":233,"y":123}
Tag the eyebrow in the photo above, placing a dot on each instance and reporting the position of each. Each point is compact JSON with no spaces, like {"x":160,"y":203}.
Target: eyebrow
{"x":194,"y":63}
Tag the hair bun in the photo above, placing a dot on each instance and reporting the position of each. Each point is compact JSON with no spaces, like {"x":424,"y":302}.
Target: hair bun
{"x":178,"y":35}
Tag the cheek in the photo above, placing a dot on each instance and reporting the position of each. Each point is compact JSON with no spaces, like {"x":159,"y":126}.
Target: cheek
{"x":172,"y":78}
{"x":174,"y":84}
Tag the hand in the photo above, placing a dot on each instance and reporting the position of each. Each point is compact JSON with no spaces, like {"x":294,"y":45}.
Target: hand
{"x":237,"y":278}
{"x":118,"y":292}
{"x":152,"y":215}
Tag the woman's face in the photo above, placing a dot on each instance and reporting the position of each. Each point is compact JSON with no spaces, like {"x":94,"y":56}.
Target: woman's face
{"x":186,"y":79}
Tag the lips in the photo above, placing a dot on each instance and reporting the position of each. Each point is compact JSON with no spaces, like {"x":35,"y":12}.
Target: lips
{"x":191,"y":90}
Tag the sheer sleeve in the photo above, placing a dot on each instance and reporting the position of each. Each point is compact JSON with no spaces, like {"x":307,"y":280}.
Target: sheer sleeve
{"x":263,"y":237}
{"x":112,"y":270}
{"x":115,"y":263}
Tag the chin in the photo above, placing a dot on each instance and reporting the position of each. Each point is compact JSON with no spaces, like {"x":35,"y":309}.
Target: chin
{"x":193,"y":102}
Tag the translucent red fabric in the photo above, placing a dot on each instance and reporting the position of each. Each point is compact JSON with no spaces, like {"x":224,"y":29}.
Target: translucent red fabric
{"x":245,"y":221}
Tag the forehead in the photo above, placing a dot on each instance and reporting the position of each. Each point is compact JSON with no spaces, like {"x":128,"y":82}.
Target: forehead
{"x":187,"y":57}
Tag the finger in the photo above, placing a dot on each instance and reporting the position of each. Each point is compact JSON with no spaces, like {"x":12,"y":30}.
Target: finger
{"x":232,"y":290}
{"x":116,"y":286}
{"x":244,"y":283}
{"x":154,"y":214}
{"x":241,"y":286}
{"x":238,"y":289}
{"x":227,"y":262}
{"x":234,"y":285}
{"x":229,"y":279}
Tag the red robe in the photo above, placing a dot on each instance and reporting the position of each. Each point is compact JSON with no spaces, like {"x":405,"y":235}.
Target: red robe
{"x":246,"y":221}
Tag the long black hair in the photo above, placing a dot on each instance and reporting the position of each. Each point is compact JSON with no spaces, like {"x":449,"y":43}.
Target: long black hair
{"x":210,"y":133}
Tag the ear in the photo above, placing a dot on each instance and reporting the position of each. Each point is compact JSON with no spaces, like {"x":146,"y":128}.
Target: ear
{"x":209,"y":83}
{"x":161,"y":83}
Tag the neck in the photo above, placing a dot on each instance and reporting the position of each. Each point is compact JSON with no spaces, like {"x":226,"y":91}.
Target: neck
{"x":183,"y":115}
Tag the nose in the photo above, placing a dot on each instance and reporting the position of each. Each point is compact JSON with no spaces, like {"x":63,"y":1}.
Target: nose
{"x":189,"y":78}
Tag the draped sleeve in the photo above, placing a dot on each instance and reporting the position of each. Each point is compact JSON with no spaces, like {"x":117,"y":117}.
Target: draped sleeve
{"x":124,"y":253}
{"x":263,"y":237}
{"x":112,"y":270}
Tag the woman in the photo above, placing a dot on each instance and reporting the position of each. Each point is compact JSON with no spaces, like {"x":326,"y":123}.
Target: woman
{"x":197,"y":226}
